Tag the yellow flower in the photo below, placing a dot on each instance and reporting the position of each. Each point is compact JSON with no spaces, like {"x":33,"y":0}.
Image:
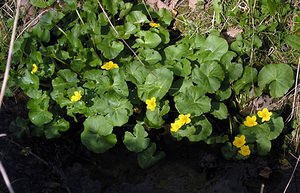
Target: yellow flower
{"x":176,"y":126}
{"x":34,"y":68}
{"x":250,"y":121}
{"x":245,"y":150}
{"x":239,"y":141}
{"x":185,"y":119}
{"x":153,"y":24}
{"x":109,"y":65}
{"x":151,"y":103}
{"x":76,"y":97}
{"x":265,"y":115}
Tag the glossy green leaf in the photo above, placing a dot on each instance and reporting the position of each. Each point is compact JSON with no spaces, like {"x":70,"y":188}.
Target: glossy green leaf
{"x":293,"y":41}
{"x":219,"y":110}
{"x":263,"y":146}
{"x":53,"y":130}
{"x":216,"y":46}
{"x":97,"y":143}
{"x":155,"y":118}
{"x":111,"y":6}
{"x":278,"y":77}
{"x":98,"y":125}
{"x":40,"y":117}
{"x":276,"y":127}
{"x":203,"y":129}
{"x":147,"y":39}
{"x":181,"y":68}
{"x":136,"y":72}
{"x":149,"y":156}
{"x":175,"y":52}
{"x":110,"y":48}
{"x":192,"y":101}
{"x":115,"y":108}
{"x":157,"y":84}
{"x":248,"y":78}
{"x":136,"y":141}
{"x":150,"y":56}
{"x":209,"y":76}
{"x":136,"y":17}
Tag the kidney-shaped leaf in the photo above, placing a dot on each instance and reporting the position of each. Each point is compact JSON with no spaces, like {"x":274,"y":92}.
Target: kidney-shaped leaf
{"x":40,"y":117}
{"x":98,"y":143}
{"x":279,"y":77}
{"x":98,"y":125}
{"x":136,"y":141}
{"x":192,"y":101}
{"x":149,"y":156}
{"x":203,"y":129}
{"x":147,"y":39}
{"x":209,"y":76}
{"x":136,"y":17}
{"x":157,"y":84}
{"x":216,"y":46}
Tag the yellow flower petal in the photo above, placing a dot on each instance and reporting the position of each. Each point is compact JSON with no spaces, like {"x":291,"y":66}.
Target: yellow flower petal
{"x":34,"y":68}
{"x":176,"y":126}
{"x":265,"y":115}
{"x":245,"y":150}
{"x":185,"y":119}
{"x":109,"y":65}
{"x":153,"y":24}
{"x":250,"y":121}
{"x":75,"y":97}
{"x":151,"y":103}
{"x":239,"y":141}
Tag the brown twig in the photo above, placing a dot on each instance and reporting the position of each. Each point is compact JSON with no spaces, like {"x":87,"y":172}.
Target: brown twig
{"x":293,"y":173}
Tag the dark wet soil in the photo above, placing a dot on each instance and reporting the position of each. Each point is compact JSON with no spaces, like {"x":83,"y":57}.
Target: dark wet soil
{"x":36,"y":165}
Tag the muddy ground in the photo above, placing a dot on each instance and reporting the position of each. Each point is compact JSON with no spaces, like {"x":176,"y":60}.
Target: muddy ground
{"x":36,"y":165}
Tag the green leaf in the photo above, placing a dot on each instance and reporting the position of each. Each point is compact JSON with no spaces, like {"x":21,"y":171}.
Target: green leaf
{"x":41,"y":3}
{"x":98,"y":125}
{"x":209,"y":76}
{"x":136,"y":141}
{"x":192,"y":100}
{"x":216,"y":46}
{"x":219,"y":110}
{"x":276,"y":127}
{"x":53,"y":130}
{"x":149,"y":156}
{"x":181,"y":68}
{"x":111,"y":6}
{"x":157,"y":84}
{"x":97,"y":143}
{"x":116,"y":109}
{"x":154,"y":118}
{"x":136,"y":72}
{"x":279,"y":77}
{"x":147,"y":39}
{"x":40,"y":117}
{"x":263,"y":146}
{"x":165,"y":16}
{"x":110,"y":48}
{"x":203,"y":129}
{"x":175,"y":52}
{"x":150,"y":56}
{"x":249,"y":77}
{"x":293,"y":41}
{"x":136,"y":17}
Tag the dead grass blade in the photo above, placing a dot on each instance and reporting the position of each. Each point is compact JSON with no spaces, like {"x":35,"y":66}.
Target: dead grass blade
{"x":9,"y":57}
{"x":6,"y":179}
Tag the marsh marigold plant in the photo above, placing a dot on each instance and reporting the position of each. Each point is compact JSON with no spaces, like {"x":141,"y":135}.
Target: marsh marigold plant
{"x":239,"y":141}
{"x":153,"y":24}
{"x":34,"y":69}
{"x":245,"y":150}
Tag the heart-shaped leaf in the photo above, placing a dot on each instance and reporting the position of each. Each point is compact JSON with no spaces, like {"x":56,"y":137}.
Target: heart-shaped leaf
{"x":136,"y":141}
{"x":149,"y":156}
{"x":193,"y":101}
{"x":157,"y":84}
{"x":279,"y":77}
{"x":209,"y":76}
